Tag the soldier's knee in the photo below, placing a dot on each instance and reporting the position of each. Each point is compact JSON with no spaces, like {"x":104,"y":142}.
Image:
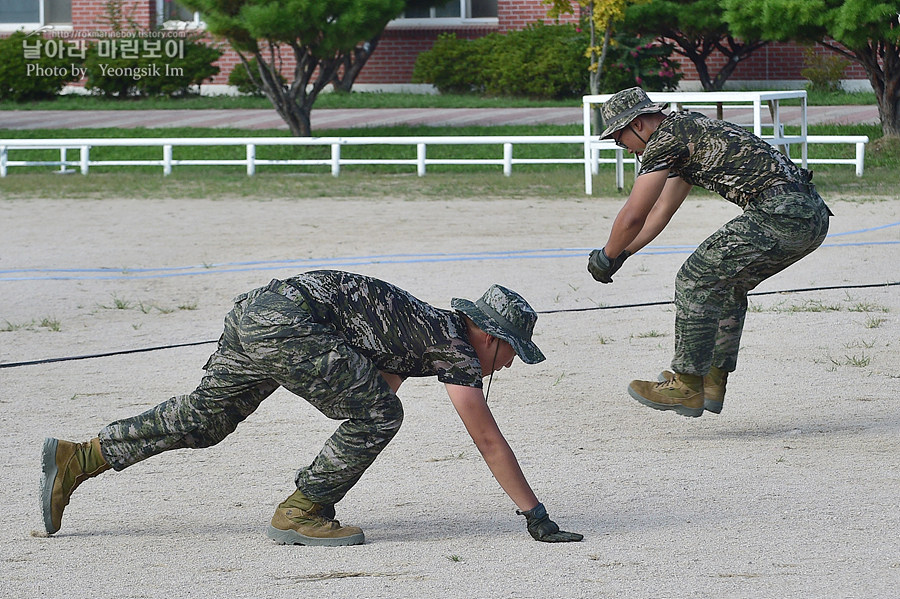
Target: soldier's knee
{"x":390,"y":415}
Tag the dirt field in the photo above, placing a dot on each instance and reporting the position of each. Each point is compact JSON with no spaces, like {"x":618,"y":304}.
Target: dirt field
{"x":790,"y":492}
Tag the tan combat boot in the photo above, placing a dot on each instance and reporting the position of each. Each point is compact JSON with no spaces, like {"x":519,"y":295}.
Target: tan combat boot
{"x":65,"y":465}
{"x":300,"y":521}
{"x":683,"y":393}
{"x":713,"y":388}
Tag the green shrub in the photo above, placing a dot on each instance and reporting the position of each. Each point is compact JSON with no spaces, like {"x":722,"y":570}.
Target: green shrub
{"x":186,"y":62}
{"x":540,"y":61}
{"x":178,"y":74}
{"x":452,"y":65}
{"x":24,"y":79}
{"x":824,"y":71}
{"x":241,"y":80}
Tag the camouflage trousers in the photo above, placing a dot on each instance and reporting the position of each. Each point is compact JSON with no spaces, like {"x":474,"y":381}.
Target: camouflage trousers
{"x":270,"y":340}
{"x":712,"y":285}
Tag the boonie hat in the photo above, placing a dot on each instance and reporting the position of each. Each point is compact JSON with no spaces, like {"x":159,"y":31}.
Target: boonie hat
{"x":624,"y":107}
{"x":506,"y":315}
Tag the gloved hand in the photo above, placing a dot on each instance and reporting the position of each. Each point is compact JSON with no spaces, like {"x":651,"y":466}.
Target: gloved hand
{"x":542,"y":528}
{"x":602,"y":267}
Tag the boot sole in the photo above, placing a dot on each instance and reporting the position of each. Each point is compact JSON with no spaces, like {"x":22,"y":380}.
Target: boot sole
{"x":48,"y":475}
{"x":713,"y":406}
{"x":677,"y":408}
{"x":292,"y":537}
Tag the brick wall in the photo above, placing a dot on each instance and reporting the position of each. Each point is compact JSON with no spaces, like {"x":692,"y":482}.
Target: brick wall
{"x":91,"y":15}
{"x":516,"y":14}
{"x":395,"y":56}
{"x":772,"y":62}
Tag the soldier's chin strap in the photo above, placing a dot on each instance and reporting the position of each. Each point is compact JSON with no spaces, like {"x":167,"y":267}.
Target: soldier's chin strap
{"x":491,"y":378}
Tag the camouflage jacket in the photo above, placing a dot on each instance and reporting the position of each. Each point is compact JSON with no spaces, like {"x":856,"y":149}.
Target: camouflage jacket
{"x":718,"y":156}
{"x":398,"y":332}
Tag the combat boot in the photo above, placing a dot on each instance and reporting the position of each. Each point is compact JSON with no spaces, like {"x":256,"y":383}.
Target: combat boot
{"x":300,"y":521}
{"x":713,"y":388}
{"x":683,"y":393}
{"x":65,"y":465}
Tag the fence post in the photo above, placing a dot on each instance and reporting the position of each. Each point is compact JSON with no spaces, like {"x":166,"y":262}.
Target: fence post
{"x":3,"y":158}
{"x":507,"y":159}
{"x":420,"y":159}
{"x":167,"y":159}
{"x":251,"y":157}
{"x":85,"y":159}
{"x":860,"y":157}
{"x":335,"y":159}
{"x":620,"y":169}
{"x":588,"y":153}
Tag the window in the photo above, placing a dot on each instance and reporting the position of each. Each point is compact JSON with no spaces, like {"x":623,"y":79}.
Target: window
{"x":35,"y":12}
{"x":172,"y":15}
{"x":455,"y":9}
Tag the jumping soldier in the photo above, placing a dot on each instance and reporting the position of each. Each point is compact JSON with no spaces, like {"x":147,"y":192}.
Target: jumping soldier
{"x":783,"y":220}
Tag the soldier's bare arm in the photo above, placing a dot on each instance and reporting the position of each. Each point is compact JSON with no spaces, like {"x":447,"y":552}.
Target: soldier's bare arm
{"x":670,"y":200}
{"x":481,"y":426}
{"x":633,"y":215}
{"x":393,"y":380}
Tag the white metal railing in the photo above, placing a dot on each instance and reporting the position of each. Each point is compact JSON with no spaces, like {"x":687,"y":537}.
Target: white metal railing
{"x":858,"y":141}
{"x":754,"y":99}
{"x":336,"y":161}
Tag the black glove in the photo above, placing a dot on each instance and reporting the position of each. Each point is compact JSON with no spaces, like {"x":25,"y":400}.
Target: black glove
{"x":602,"y":267}
{"x":542,"y":528}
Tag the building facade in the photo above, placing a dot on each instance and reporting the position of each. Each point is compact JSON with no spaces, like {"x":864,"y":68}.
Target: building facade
{"x":390,"y":66}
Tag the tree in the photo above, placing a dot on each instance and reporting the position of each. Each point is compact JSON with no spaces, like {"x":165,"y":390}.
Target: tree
{"x":865,"y":31}
{"x":697,"y":27}
{"x":330,"y":42}
{"x":602,"y":15}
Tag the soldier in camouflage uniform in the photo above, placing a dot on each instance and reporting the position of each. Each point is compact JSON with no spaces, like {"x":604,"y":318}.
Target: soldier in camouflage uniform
{"x":783,"y":220}
{"x":345,"y":343}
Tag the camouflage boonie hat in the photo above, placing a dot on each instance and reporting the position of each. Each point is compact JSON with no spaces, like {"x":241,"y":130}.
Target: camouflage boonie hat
{"x":506,"y":315}
{"x":624,"y":107}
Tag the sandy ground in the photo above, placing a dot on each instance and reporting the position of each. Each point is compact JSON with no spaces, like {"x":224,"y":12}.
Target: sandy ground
{"x":790,"y":492}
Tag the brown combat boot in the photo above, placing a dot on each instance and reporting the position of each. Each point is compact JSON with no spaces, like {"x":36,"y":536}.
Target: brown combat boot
{"x":64,"y":466}
{"x":300,"y":521}
{"x":683,"y":394}
{"x":713,"y":388}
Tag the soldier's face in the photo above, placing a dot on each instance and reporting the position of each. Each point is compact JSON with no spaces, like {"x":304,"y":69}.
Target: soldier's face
{"x":505,"y":356}
{"x":629,"y":139}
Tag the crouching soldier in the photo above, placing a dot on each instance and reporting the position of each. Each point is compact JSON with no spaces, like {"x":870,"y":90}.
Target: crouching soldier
{"x":345,"y":343}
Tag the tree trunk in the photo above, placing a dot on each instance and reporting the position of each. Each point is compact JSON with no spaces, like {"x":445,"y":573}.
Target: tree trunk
{"x":881,"y":61}
{"x":295,"y":116}
{"x":293,"y":102}
{"x":886,"y":83}
{"x":736,"y":52}
{"x":597,"y":67}
{"x":698,"y":50}
{"x":352,"y":64}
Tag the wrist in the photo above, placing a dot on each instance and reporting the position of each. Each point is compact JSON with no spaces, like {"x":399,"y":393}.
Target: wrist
{"x":538,"y":511}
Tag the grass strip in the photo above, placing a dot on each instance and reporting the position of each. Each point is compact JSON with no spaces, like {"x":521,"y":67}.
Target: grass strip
{"x":359,"y":100}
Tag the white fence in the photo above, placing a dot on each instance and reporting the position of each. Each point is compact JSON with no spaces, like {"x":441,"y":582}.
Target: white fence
{"x":858,"y":141}
{"x":596,"y":152}
{"x":335,"y":162}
